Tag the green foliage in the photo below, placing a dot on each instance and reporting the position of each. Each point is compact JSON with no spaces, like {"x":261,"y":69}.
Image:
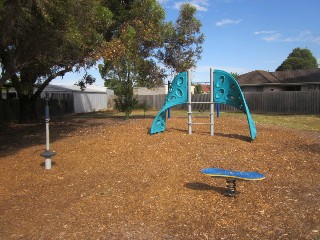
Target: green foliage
{"x":145,"y":106}
{"x":184,"y":39}
{"x":149,"y":74}
{"x":125,"y":101}
{"x":235,"y":75}
{"x":143,"y":37}
{"x":198,"y":89}
{"x":128,"y":56}
{"x":86,"y":80}
{"x":40,"y":40}
{"x":299,"y":59}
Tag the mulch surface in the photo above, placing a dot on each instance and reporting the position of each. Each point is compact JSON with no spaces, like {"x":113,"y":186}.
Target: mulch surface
{"x":112,"y":180}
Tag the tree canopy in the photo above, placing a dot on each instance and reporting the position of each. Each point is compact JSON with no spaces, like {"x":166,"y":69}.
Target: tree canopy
{"x":299,"y":59}
{"x":183,"y":46}
{"x":128,"y":56}
{"x":47,"y":37}
{"x":142,"y":41}
{"x":40,"y":40}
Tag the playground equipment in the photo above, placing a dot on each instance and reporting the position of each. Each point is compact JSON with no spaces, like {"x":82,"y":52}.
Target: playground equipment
{"x":224,"y":89}
{"x":47,"y":154}
{"x":231,"y":178}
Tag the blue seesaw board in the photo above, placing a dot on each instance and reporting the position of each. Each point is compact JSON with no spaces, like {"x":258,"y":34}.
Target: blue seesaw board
{"x":223,"y":173}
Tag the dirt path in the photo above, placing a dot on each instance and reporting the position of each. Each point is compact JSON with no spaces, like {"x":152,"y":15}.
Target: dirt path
{"x":112,"y":180}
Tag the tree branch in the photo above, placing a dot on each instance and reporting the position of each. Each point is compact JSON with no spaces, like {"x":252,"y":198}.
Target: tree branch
{"x":49,"y":79}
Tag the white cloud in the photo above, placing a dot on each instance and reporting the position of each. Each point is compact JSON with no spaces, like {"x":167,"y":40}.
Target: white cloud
{"x":200,"y":5}
{"x":264,"y":32}
{"x":302,"y":36}
{"x":272,"y":37}
{"x":227,"y":21}
{"x":269,"y":36}
{"x":162,"y":1}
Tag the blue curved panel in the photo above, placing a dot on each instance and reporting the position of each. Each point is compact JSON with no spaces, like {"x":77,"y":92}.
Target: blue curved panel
{"x":228,"y":91}
{"x":177,"y":94}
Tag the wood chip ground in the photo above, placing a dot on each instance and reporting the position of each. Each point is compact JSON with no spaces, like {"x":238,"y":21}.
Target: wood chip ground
{"x":112,"y":180}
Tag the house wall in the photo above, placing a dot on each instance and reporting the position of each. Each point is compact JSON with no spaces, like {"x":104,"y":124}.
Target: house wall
{"x":91,"y":101}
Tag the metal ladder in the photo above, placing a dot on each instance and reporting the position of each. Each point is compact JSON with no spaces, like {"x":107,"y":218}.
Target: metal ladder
{"x":190,"y":123}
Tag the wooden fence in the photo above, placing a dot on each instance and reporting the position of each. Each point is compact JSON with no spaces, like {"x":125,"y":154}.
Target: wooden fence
{"x":300,"y":102}
{"x":58,"y":105}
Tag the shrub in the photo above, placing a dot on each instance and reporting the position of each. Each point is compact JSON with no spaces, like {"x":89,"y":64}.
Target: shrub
{"x":145,"y":106}
{"x":125,"y":101}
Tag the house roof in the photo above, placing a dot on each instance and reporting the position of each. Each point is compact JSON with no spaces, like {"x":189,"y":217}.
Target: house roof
{"x":281,"y":77}
{"x":205,"y":88}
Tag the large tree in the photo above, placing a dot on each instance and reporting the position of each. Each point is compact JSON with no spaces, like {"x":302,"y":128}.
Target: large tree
{"x":143,"y":40}
{"x":299,"y":59}
{"x":129,"y":55}
{"x":184,"y":41}
{"x":40,"y":40}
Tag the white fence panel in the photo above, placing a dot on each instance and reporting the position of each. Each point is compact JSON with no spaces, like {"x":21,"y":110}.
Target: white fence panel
{"x":89,"y":102}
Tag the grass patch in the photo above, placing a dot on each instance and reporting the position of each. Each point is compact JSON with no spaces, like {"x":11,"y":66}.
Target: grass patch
{"x":299,"y":122}
{"x":114,"y":114}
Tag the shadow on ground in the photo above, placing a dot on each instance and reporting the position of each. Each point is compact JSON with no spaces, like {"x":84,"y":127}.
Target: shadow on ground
{"x":205,"y":187}
{"x":14,"y":137}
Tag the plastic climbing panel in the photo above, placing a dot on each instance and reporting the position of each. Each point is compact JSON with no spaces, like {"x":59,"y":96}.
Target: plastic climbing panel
{"x":177,"y":94}
{"x":227,"y":91}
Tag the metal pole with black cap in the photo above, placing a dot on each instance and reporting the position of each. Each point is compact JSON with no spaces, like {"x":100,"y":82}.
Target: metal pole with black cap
{"x":47,"y":154}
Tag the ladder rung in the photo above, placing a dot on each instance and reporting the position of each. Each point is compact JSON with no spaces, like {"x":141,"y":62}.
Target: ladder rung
{"x":202,"y":102}
{"x":200,"y":123}
{"x":205,"y":112}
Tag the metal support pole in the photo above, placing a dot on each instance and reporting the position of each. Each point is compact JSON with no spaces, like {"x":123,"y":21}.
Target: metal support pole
{"x":189,"y":103}
{"x":47,"y":119}
{"x":211,"y":103}
{"x":169,"y":111}
{"x":47,"y":154}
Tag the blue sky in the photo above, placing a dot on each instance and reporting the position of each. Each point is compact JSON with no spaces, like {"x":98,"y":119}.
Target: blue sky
{"x":245,"y":35}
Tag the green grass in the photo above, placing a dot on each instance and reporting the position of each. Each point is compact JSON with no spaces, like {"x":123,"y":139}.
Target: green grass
{"x":299,"y":122}
{"x":115,"y":114}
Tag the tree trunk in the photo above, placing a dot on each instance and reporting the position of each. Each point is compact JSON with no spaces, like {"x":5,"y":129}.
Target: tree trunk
{"x":27,"y":111}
